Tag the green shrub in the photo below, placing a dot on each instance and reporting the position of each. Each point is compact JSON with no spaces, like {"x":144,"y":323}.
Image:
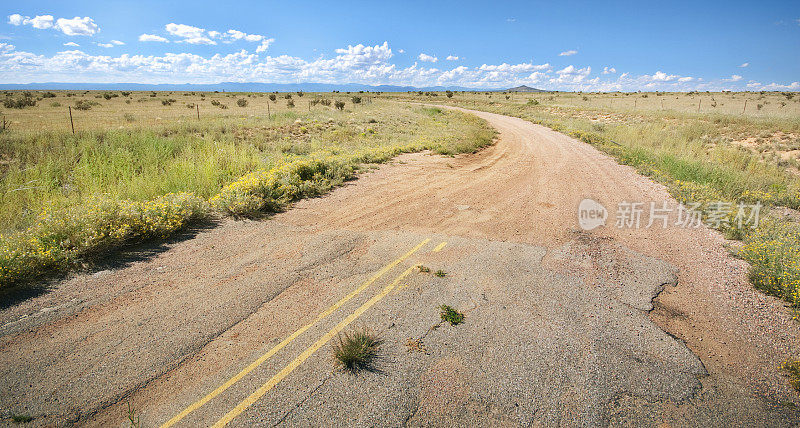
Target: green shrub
{"x":241,"y":102}
{"x":357,"y":350}
{"x":450,"y":315}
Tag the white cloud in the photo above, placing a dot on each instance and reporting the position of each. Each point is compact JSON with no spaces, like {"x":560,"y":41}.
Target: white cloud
{"x":264,"y":45}
{"x":184,"y":31}
{"x":73,"y":44}
{"x":609,"y":70}
{"x":152,"y":38}
{"x":571,"y":75}
{"x":746,"y":64}
{"x":401,"y":50}
{"x":16,"y":19}
{"x":568,"y":53}
{"x":452,"y":58}
{"x":427,"y":58}
{"x":660,"y":76}
{"x":77,"y":26}
{"x":360,"y":64}
{"x":105,"y":45}
{"x":117,"y":42}
{"x":199,"y":36}
{"x":41,"y":22}
{"x":734,"y":78}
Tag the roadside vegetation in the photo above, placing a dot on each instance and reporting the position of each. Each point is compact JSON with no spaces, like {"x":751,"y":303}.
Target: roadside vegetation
{"x":66,"y":198}
{"x":738,"y":148}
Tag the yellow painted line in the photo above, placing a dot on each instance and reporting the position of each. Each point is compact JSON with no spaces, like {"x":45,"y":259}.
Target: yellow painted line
{"x":439,"y":247}
{"x":255,"y":396}
{"x":196,"y":405}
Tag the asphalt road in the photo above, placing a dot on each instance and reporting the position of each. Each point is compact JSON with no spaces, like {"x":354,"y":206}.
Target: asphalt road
{"x":234,"y":324}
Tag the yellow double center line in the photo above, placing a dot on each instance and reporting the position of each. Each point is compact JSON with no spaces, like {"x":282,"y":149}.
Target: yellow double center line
{"x":196,"y":405}
{"x":247,"y":402}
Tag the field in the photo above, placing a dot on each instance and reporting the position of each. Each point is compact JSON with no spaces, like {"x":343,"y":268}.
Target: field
{"x":142,"y":165}
{"x":725,"y":152}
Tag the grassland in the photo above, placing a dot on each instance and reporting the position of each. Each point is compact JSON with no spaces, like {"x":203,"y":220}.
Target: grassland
{"x":723,"y":152}
{"x":143,"y":166}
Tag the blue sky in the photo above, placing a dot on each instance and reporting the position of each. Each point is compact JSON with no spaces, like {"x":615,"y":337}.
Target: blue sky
{"x":553,"y":45}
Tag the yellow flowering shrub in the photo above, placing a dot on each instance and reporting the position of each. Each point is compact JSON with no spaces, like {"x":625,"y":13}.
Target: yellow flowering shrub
{"x":773,"y":251}
{"x":60,"y":237}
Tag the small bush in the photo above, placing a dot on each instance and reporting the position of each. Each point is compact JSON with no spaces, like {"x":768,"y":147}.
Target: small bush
{"x":339,"y":105}
{"x":357,"y":350}
{"x":300,"y":93}
{"x":288,"y":96}
{"x":241,"y":102}
{"x":440,"y":273}
{"x":125,"y":93}
{"x":85,"y":104}
{"x":325,"y":102}
{"x":168,"y":101}
{"x":424,"y":269}
{"x":290,"y":103}
{"x":20,"y":103}
{"x":129,"y":117}
{"x":272,"y":97}
{"x":48,"y":95}
{"x":55,"y":104}
{"x":356,"y":100}
{"x":449,"y":314}
{"x":449,"y":94}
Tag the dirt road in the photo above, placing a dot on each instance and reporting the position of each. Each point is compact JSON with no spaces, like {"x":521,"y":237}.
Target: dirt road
{"x":563,"y":326}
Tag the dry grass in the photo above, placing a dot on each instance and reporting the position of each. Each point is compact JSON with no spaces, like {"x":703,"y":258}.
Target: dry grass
{"x":65,"y":196}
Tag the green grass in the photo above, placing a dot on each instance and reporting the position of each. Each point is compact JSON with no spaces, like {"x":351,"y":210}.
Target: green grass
{"x":65,"y":198}
{"x":440,"y":273}
{"x":356,"y":350}
{"x":450,"y":315}
{"x":21,"y":419}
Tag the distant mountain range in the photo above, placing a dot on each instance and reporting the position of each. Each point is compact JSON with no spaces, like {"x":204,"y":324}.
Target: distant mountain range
{"x":524,"y":88}
{"x":245,"y":87}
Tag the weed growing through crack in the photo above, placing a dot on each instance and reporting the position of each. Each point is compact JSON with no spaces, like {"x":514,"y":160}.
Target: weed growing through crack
{"x":440,"y":273}
{"x":416,"y":345}
{"x":356,"y":350}
{"x":132,"y":418}
{"x":21,"y":419}
{"x":451,"y":315}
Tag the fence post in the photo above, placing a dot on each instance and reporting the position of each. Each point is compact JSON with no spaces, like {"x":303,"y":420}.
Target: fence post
{"x":70,"y":120}
{"x":198,"y":111}
{"x":745,"y":105}
{"x":268,"y":110}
